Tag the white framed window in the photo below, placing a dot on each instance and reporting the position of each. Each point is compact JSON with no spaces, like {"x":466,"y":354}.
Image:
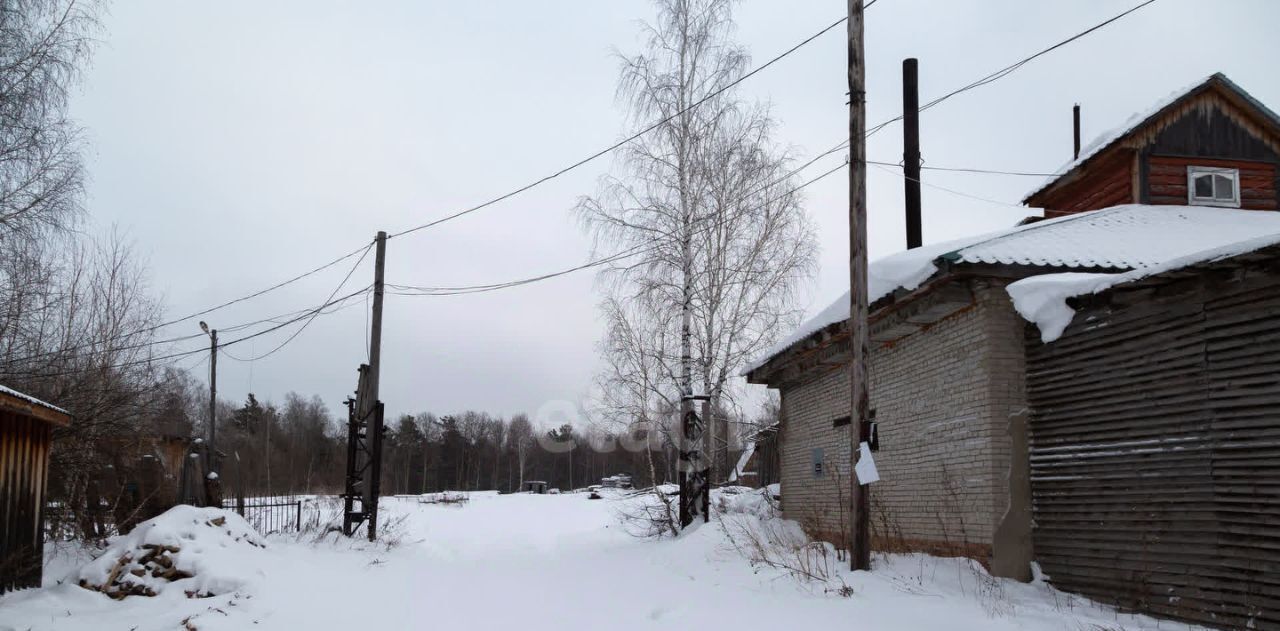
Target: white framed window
{"x":1212,"y":186}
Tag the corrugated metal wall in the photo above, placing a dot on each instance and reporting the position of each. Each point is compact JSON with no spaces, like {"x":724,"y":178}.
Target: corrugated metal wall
{"x":24,"y":466}
{"x":1155,"y":456}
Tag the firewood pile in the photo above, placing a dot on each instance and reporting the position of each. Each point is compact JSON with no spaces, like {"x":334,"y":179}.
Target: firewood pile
{"x":156,"y":562}
{"x":163,"y":553}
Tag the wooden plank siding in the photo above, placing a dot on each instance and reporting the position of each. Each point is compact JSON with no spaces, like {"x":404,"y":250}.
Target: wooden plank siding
{"x":1155,"y":455}
{"x":24,"y":467}
{"x":1167,"y":180}
{"x":1108,"y":183}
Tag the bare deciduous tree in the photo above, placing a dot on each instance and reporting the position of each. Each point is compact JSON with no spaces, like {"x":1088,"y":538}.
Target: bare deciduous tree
{"x":43,"y":46}
{"x":708,"y":203}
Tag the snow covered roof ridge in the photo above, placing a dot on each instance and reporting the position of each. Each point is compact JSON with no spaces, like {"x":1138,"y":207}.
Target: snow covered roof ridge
{"x":1140,"y":119}
{"x":1102,"y":242}
{"x":32,"y":400}
{"x":1043,"y":299}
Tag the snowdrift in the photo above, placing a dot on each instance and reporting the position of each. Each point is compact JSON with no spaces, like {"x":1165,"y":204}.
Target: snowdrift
{"x":200,"y":551}
{"x":742,"y":500}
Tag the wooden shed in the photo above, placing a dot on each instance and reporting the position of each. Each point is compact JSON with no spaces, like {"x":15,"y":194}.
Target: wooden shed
{"x":26,"y":431}
{"x":1155,"y":443}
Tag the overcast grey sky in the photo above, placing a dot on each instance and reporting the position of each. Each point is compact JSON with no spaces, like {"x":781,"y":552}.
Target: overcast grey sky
{"x":241,"y":143}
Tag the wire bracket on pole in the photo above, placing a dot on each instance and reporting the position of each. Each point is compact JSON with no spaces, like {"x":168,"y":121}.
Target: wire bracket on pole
{"x":365,"y":429}
{"x":695,"y":469}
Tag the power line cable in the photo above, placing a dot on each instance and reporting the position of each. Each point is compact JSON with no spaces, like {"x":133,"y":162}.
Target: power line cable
{"x":203,"y":359}
{"x":965,"y":169}
{"x":628,"y":139}
{"x":315,"y":313}
{"x":162,"y":325}
{"x":1011,"y":68}
{"x":275,"y":319}
{"x":412,"y":290}
{"x":190,"y":352}
{"x":904,"y":176}
{"x":988,"y":171}
{"x":257,"y":293}
{"x":335,"y":307}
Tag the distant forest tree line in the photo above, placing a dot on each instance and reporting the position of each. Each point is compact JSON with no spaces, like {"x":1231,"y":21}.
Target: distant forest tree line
{"x":299,"y":446}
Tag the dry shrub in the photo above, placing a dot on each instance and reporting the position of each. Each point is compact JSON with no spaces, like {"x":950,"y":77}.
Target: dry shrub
{"x":783,"y":545}
{"x":649,"y":513}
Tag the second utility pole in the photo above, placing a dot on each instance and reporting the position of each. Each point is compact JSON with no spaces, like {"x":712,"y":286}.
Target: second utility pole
{"x":860,"y":544}
{"x":911,"y":149}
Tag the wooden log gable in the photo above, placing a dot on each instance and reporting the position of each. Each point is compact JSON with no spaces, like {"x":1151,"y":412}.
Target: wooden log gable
{"x":1216,"y":124}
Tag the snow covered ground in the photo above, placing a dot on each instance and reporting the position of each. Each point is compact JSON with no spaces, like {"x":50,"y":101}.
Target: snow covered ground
{"x":561,"y":562}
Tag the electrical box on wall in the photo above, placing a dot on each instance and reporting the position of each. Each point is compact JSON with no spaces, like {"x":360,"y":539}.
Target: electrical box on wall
{"x":817,"y":462}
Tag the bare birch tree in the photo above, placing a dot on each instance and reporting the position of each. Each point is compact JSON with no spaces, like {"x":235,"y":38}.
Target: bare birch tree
{"x":707,"y":201}
{"x":77,"y":316}
{"x":43,"y":46}
{"x":520,"y":437}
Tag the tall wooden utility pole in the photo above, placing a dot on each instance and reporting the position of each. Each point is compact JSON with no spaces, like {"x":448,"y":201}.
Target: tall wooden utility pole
{"x":374,"y":400}
{"x":860,"y":544}
{"x":364,"y":423}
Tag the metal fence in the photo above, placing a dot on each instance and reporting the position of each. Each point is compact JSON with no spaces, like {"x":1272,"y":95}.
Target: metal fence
{"x":269,"y":514}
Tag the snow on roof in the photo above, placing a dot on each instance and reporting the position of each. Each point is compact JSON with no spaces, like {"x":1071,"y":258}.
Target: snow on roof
{"x":30,"y":399}
{"x":1132,"y":236}
{"x":1043,"y":299}
{"x":1107,"y":138}
{"x":1121,"y":238}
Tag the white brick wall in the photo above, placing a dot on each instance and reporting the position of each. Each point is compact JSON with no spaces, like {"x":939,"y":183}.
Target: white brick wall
{"x":942,"y":397}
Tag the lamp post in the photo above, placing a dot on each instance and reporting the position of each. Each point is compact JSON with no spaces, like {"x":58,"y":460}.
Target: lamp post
{"x":213,"y":393}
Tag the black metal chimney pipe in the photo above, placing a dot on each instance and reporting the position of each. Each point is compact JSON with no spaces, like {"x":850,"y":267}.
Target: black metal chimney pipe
{"x":911,"y":149}
{"x":1075,"y":116}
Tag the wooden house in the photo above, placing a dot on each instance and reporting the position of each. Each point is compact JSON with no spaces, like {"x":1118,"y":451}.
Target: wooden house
{"x":1211,"y":145}
{"x":26,"y":434}
{"x":1018,"y":426}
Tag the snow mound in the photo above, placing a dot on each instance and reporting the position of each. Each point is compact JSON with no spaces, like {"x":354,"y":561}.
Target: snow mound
{"x":746,"y":501}
{"x":200,"y":551}
{"x":448,"y":498}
